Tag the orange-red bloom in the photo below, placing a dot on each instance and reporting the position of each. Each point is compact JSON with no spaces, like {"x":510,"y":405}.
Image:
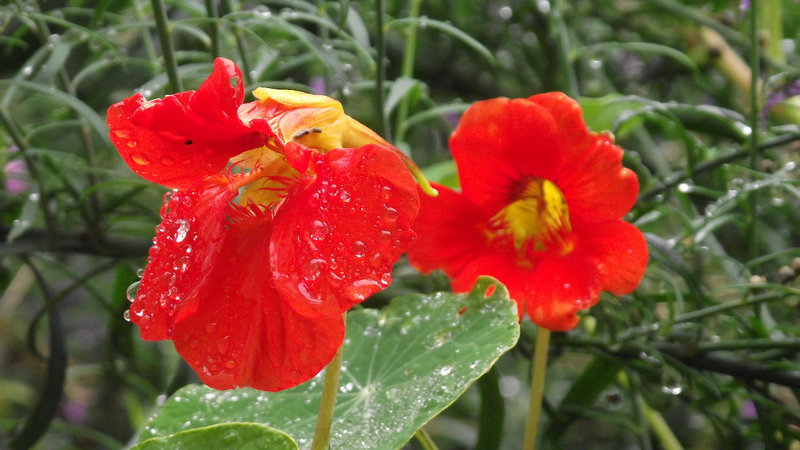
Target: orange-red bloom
{"x":540,"y":209}
{"x":284,"y":213}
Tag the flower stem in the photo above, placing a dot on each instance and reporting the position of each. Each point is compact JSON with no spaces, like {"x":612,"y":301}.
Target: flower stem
{"x":322,"y":434}
{"x":425,"y":440}
{"x":407,"y":69}
{"x":167,"y":49}
{"x":537,"y":387}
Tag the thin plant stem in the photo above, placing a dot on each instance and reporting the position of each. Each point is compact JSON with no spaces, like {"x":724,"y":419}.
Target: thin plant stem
{"x":213,"y":29}
{"x":754,"y":119}
{"x":167,"y":49}
{"x":538,"y":372}
{"x":322,"y":434}
{"x":407,"y":69}
{"x":380,"y":75}
{"x":425,"y":440}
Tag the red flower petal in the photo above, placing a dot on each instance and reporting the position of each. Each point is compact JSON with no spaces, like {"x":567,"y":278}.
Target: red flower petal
{"x":619,"y":251}
{"x":558,"y":289}
{"x":242,"y":332}
{"x":449,"y":232}
{"x":193,"y":227}
{"x":183,"y":138}
{"x":596,"y":186}
{"x":339,"y":232}
{"x":499,"y":142}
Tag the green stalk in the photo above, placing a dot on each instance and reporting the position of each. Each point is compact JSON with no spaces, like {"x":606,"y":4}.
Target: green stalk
{"x":493,"y":409}
{"x":754,"y":123}
{"x":407,"y":69}
{"x":213,"y":31}
{"x":160,"y":13}
{"x":425,"y":440}
{"x":380,"y":76}
{"x":538,"y":372}
{"x":322,"y":434}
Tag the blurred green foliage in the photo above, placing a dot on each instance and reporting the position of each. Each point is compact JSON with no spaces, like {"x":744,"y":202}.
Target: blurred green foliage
{"x":710,"y":340}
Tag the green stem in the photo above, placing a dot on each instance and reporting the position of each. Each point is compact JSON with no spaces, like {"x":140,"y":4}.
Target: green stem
{"x":659,"y":426}
{"x":490,"y":426}
{"x":538,"y":373}
{"x":407,"y":70}
{"x":425,"y":440}
{"x":160,"y":13}
{"x":754,"y":118}
{"x":380,"y":76}
{"x":322,"y":434}
{"x":213,"y":31}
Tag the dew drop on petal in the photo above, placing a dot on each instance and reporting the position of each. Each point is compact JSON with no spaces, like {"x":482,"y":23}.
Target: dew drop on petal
{"x":319,"y":230}
{"x":140,"y":273}
{"x":127,"y":315}
{"x":182,"y":230}
{"x":167,"y":161}
{"x":359,"y":249}
{"x":138,"y":158}
{"x":390,"y":214}
{"x":361,"y":289}
{"x":132,"y":291}
{"x":122,"y":134}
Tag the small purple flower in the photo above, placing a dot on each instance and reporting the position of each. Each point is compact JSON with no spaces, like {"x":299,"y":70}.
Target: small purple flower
{"x":744,"y":6}
{"x":16,"y":174}
{"x":786,"y":91}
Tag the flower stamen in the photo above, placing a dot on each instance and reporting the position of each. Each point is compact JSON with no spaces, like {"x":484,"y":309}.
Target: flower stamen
{"x":537,"y":216}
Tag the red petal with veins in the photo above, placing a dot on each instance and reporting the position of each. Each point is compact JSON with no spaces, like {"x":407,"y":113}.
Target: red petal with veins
{"x":243,"y":333}
{"x":450,"y":232}
{"x":499,"y":142}
{"x":596,"y":186}
{"x":183,"y":138}
{"x":342,"y":228}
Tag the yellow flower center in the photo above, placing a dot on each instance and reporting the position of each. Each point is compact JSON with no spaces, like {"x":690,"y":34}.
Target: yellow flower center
{"x":537,"y":216}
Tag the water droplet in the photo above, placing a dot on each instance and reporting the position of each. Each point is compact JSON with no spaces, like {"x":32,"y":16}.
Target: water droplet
{"x":361,"y":289}
{"x":139,"y":273}
{"x":132,"y":291}
{"x":122,"y":134}
{"x":390,"y":214}
{"x":127,"y":315}
{"x":27,"y":70}
{"x":138,"y":158}
{"x":167,"y":161}
{"x":685,"y":188}
{"x":359,"y":249}
{"x":446,"y":370}
{"x":303,"y":288}
{"x":230,"y":364}
{"x":180,"y":233}
{"x":34,"y":197}
{"x":319,"y":230}
{"x":344,"y":196}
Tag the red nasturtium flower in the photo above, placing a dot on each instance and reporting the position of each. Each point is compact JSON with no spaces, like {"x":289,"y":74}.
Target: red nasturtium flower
{"x":284,"y":213}
{"x":540,"y":209}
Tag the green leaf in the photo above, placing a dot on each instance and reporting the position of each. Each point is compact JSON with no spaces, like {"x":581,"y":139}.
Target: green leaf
{"x":402,"y":366}
{"x":241,"y":436}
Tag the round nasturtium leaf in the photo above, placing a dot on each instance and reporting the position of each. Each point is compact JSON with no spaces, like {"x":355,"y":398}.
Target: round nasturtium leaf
{"x":402,"y":366}
{"x":241,"y":436}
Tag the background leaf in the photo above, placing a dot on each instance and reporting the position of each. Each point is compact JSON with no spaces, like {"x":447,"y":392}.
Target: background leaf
{"x":402,"y":366}
{"x":242,"y":436}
